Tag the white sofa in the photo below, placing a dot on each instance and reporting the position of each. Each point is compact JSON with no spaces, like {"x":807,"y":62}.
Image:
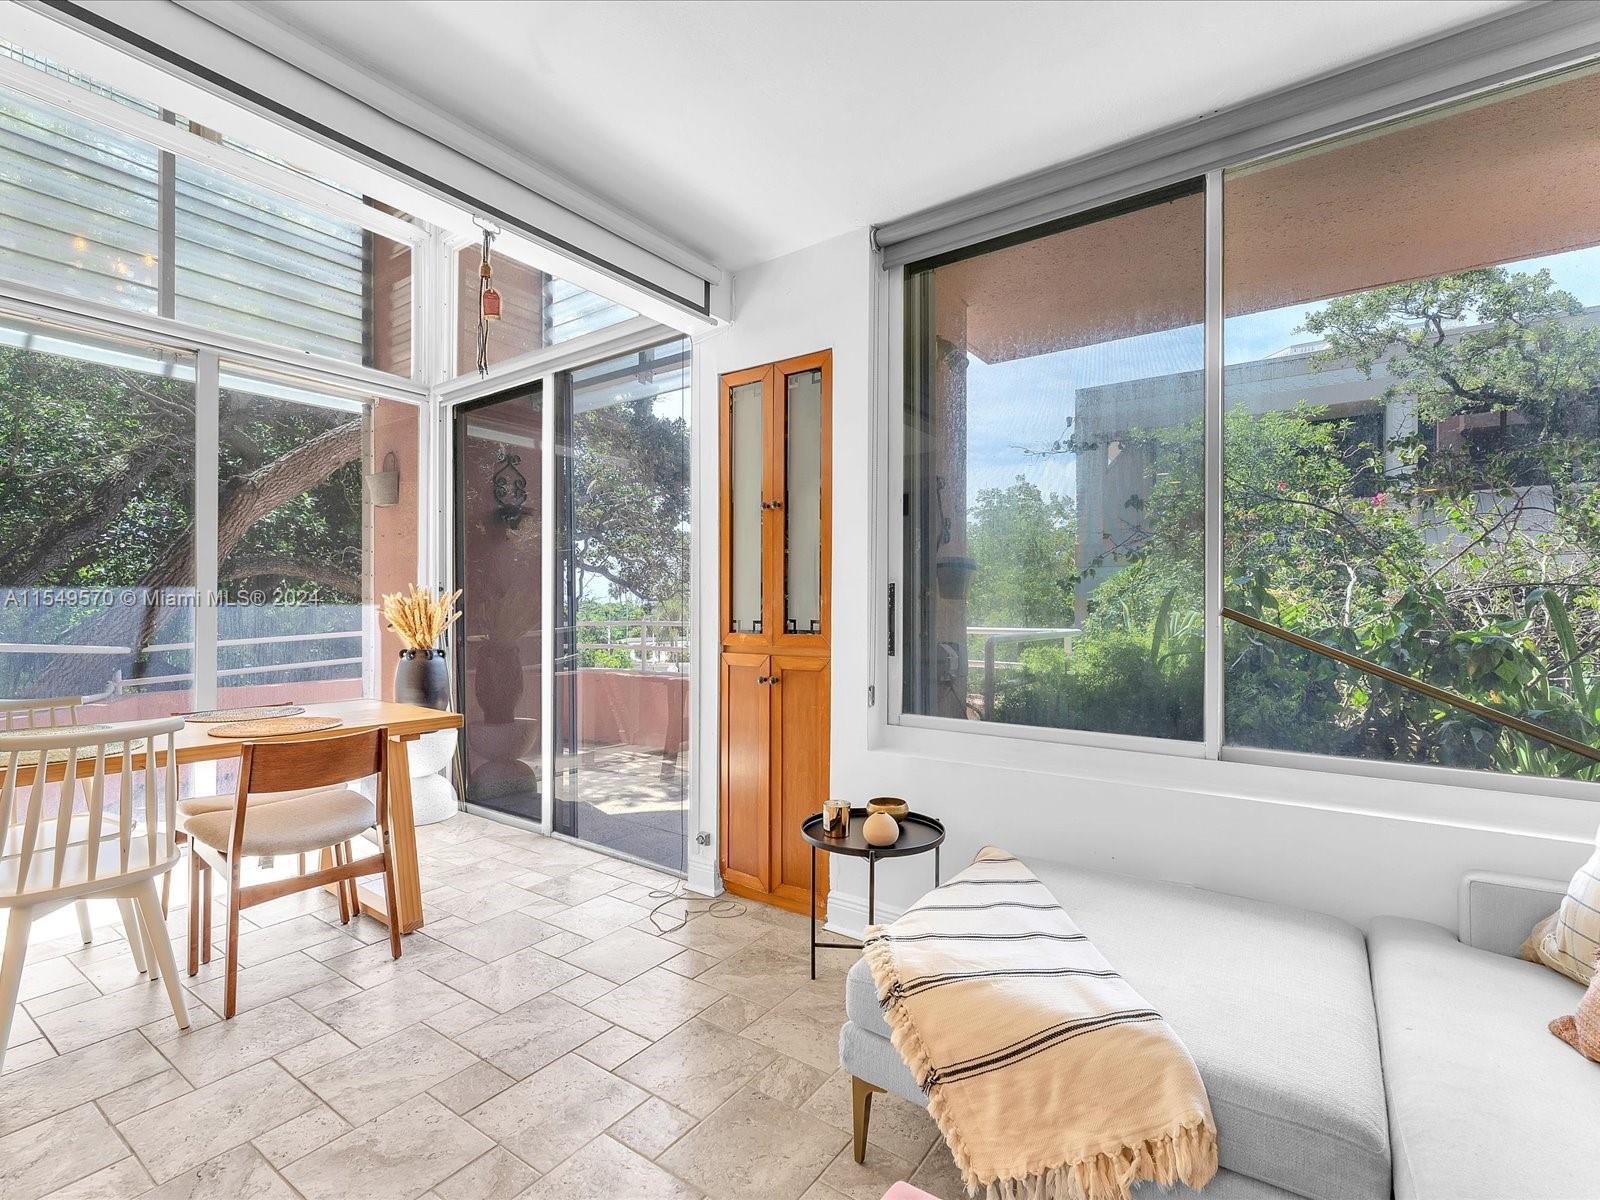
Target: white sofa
{"x":1319,"y":1091}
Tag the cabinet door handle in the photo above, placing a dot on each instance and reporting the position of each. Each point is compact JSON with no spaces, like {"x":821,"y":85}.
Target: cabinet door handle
{"x":769,"y":680}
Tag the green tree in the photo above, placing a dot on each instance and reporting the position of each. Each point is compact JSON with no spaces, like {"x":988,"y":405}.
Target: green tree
{"x":1025,"y":545}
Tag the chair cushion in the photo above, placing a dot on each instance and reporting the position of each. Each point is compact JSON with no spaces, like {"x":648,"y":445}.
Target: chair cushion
{"x":1275,"y":1005}
{"x":292,"y":825}
{"x":1483,"y":1101}
{"x":196,"y":806}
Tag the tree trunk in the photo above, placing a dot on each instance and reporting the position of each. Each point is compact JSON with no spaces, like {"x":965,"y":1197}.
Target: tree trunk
{"x":256,"y":495}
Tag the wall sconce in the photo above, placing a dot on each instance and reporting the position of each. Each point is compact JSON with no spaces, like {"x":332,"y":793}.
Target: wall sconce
{"x":384,"y":486}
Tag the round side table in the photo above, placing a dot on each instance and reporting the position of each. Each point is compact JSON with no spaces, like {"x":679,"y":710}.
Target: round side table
{"x":918,"y":834}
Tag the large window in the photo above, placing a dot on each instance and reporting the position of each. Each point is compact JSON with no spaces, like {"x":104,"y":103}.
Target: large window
{"x":1413,"y":435}
{"x":1408,"y":396}
{"x":1053,"y":478}
{"x":97,"y":569}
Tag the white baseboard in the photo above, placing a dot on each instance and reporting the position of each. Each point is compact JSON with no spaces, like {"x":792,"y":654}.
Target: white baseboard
{"x":704,"y":878}
{"x":847,"y":914}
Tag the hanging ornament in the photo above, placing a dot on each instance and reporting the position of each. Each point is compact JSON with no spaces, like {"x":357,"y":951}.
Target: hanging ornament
{"x":488,"y":300}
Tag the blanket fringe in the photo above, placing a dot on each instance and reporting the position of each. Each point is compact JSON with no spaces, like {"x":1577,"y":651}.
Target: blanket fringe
{"x":1186,"y":1154}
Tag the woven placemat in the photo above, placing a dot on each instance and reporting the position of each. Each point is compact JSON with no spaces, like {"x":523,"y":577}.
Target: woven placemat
{"x":244,"y":714}
{"x":274,"y":727}
{"x":27,"y":757}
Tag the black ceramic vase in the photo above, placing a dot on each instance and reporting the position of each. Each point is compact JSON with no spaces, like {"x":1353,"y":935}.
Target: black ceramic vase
{"x":420,"y":677}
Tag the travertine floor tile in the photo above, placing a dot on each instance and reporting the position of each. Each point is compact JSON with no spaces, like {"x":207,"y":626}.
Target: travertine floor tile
{"x":63,"y":1149}
{"x":376,"y":1078}
{"x":938,"y":1175}
{"x":381,"y":1010}
{"x":612,"y":1048}
{"x":790,"y":1080}
{"x":295,"y":1139}
{"x":496,"y":1175}
{"x":241,"y":1174}
{"x":187,"y":1132}
{"x":867,"y":1180}
{"x":494,"y":938}
{"x":608,"y":1170}
{"x":655,"y":1003}
{"x":555,"y":1111}
{"x":696,"y":1067}
{"x":754,"y":1148}
{"x":805,"y":1026}
{"x":290,"y":975}
{"x":398,"y":1156}
{"x":95,"y":1020}
{"x":532,"y":1035}
{"x":204,"y":1055}
{"x":54,"y":1086}
{"x":540,"y":1022}
{"x":898,"y":1126}
{"x":622,"y":954}
{"x":467,"y":1089}
{"x":117,"y":1182}
{"x":596,"y":918}
{"x":652,"y":1127}
{"x":146,"y":1094}
{"x":514,"y":979}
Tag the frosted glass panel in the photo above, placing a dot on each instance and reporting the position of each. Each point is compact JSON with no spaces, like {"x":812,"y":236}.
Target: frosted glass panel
{"x":745,"y":421}
{"x":802,"y":611}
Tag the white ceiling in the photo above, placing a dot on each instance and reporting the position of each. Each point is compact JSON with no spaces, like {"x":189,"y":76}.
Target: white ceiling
{"x":748,"y":130}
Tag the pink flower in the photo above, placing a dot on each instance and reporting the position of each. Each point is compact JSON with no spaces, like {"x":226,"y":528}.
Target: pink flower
{"x":1378,"y":498}
{"x":1282,"y":486}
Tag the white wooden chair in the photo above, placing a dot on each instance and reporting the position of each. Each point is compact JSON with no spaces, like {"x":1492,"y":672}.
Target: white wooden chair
{"x":53,"y":856}
{"x":54,"y":712}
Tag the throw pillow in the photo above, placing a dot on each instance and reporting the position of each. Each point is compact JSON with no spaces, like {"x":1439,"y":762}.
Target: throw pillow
{"x":1568,"y":939}
{"x":1582,"y":1032}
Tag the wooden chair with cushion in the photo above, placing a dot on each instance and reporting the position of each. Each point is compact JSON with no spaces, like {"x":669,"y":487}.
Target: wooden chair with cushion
{"x":293,"y":798}
{"x":52,"y":854}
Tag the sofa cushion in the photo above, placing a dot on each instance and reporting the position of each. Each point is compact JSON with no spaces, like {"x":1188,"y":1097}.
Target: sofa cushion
{"x":1483,"y":1100}
{"x":1275,"y":1005}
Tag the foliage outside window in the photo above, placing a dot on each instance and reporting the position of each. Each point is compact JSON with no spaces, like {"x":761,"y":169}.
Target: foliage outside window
{"x":97,"y":530}
{"x":622,"y":682}
{"x":1411,"y":454}
{"x":96,"y":512}
{"x":1054,"y":566}
{"x":1411,"y":475}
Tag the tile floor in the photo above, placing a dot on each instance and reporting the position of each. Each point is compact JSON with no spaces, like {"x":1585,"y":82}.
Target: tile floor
{"x":540,"y":1038}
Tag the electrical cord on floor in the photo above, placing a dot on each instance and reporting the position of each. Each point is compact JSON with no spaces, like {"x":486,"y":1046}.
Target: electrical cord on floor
{"x":693,"y":906}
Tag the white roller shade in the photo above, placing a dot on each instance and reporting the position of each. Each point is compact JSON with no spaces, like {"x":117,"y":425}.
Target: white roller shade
{"x":1524,"y":41}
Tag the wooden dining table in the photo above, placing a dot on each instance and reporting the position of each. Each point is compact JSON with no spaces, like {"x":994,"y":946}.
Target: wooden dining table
{"x":404,"y":724}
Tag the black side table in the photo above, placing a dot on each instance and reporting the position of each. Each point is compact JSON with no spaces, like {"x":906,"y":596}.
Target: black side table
{"x":917,"y":835}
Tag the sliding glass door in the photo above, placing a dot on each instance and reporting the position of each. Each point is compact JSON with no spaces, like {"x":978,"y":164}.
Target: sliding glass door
{"x":622,"y":621}
{"x":499,"y":528}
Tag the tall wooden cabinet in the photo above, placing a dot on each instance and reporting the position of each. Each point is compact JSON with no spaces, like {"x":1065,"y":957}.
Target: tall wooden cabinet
{"x":776,"y":552}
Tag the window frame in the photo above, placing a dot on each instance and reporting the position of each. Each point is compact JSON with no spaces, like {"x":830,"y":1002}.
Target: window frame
{"x":986,"y":742}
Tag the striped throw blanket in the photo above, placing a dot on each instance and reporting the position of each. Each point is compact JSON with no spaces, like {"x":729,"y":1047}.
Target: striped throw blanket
{"x":1050,"y":1078}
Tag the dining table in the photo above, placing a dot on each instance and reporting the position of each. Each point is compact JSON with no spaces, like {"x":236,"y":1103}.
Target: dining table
{"x":402,"y":723}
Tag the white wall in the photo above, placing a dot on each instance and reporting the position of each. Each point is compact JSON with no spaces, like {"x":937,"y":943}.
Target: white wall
{"x":1350,"y":845}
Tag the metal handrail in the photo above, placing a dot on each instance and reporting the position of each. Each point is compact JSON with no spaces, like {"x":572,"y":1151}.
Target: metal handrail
{"x":1493,"y":716}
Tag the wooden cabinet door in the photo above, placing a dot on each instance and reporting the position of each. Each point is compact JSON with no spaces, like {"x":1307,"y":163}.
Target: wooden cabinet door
{"x":799,"y":772}
{"x":747,"y":703}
